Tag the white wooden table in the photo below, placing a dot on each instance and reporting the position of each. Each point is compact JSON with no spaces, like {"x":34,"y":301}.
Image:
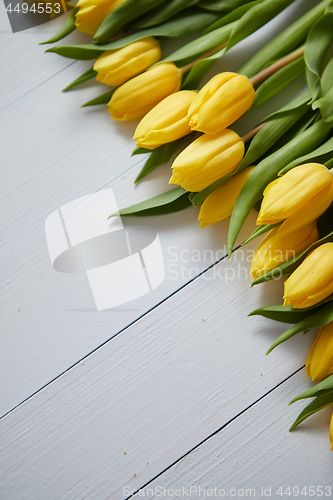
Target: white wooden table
{"x":168,"y":393}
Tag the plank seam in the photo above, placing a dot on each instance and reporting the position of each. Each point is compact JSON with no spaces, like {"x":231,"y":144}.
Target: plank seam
{"x":214,"y":433}
{"x":116,"y":335}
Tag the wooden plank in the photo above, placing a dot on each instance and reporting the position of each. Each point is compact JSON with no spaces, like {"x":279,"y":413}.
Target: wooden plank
{"x":52,"y":316}
{"x":24,"y":66}
{"x":256,"y":456}
{"x":135,"y":406}
{"x":65,"y":153}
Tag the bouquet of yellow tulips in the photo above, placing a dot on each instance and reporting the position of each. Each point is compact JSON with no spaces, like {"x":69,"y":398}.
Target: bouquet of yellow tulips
{"x":282,"y":168}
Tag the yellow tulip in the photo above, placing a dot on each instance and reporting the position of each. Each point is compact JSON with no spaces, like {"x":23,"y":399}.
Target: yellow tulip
{"x":92,"y":12}
{"x":224,"y":99}
{"x":274,"y":249}
{"x":207,"y":159}
{"x":219,"y":205}
{"x":115,"y":67}
{"x":312,"y":281}
{"x":331,"y":432}
{"x":139,"y":95}
{"x":166,"y":122}
{"x":319,"y":363}
{"x":297,"y":198}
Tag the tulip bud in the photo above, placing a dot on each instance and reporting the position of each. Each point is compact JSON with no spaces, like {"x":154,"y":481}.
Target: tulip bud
{"x":166,"y":122}
{"x":139,"y":95}
{"x":219,"y":205}
{"x":299,"y":197}
{"x":224,"y":99}
{"x":331,"y":432}
{"x":92,"y":12}
{"x":207,"y":159}
{"x":312,"y":281}
{"x":115,"y":67}
{"x":274,"y":249}
{"x":319,"y":363}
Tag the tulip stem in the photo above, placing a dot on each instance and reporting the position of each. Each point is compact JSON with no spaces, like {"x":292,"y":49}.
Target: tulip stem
{"x":211,"y":52}
{"x":247,"y":137}
{"x":273,"y":68}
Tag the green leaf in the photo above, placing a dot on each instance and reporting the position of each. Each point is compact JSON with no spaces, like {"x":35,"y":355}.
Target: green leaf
{"x":325,"y":148}
{"x":200,"y":46}
{"x":234,"y":15}
{"x":123,"y":14}
{"x":278,"y":81}
{"x":180,"y":25}
{"x":324,"y":387}
{"x":140,"y":151}
{"x":196,"y":73}
{"x":87,"y":75}
{"x":327,"y":78}
{"x":325,"y":105}
{"x":291,"y":38}
{"x":316,"y":320}
{"x":317,"y":44}
{"x":249,"y":17}
{"x":101,"y":99}
{"x":162,"y":155}
{"x":246,"y":24}
{"x":221,"y":5}
{"x":166,"y":203}
{"x":316,"y":405}
{"x":262,"y":229}
{"x":329,"y":163}
{"x":274,"y":129}
{"x":257,"y":16}
{"x":260,"y":144}
{"x":163,"y":12}
{"x":83,"y":52}
{"x":66,"y":29}
{"x":288,"y":267}
{"x":283,"y":314}
{"x":294,"y":104}
{"x":267,"y":170}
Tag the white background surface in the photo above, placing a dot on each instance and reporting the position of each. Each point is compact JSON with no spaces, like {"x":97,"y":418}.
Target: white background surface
{"x":95,"y":401}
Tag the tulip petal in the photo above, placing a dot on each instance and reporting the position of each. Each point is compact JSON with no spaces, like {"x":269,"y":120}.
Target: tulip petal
{"x":205,"y":94}
{"x":166,"y":122}
{"x":207,"y":159}
{"x":320,"y":360}
{"x":284,"y":196}
{"x":312,"y":281}
{"x":115,"y":67}
{"x":309,"y":358}
{"x":275,"y":249}
{"x":309,"y":212}
{"x":138,"y":96}
{"x":322,"y":357}
{"x":226,"y":106}
{"x":219,"y":204}
{"x":92,"y":12}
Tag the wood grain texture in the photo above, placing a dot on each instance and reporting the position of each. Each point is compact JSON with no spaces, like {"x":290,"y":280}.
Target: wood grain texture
{"x":24,"y":66}
{"x":55,"y":152}
{"x":147,"y":397}
{"x":142,"y":400}
{"x":256,"y":451}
